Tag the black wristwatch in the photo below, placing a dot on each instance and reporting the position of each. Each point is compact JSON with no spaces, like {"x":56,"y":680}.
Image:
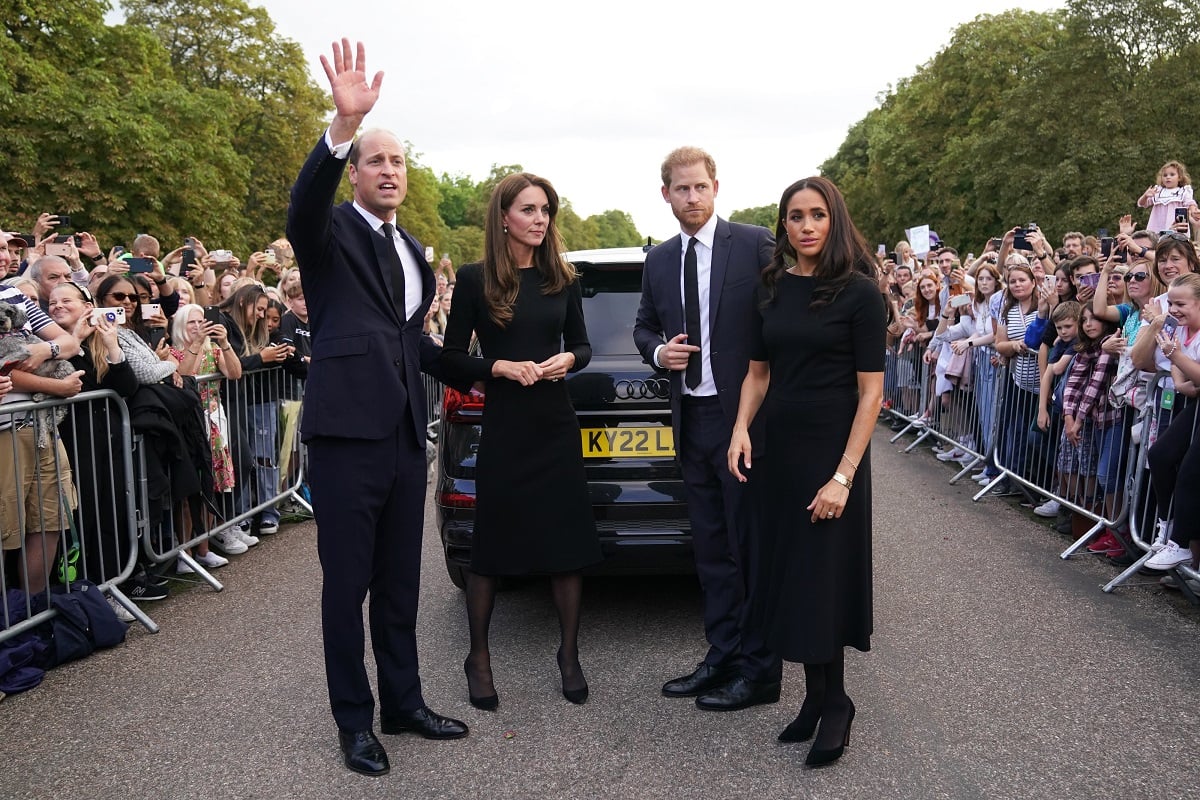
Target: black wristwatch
{"x":1143,"y":253}
{"x":98,"y":258}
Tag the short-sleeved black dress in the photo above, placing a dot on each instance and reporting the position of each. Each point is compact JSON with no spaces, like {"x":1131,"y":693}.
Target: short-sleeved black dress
{"x":814,"y":593}
{"x":533,"y":511}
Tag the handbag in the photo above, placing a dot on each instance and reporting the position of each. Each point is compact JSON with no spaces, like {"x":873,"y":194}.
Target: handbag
{"x":1127,"y":388}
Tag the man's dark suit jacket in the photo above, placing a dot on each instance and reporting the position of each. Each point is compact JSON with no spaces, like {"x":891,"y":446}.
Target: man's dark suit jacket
{"x":739,"y":254}
{"x":365,"y":359}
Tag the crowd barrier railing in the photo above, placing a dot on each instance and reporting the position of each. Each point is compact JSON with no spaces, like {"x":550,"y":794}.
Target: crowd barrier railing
{"x":1098,"y":473}
{"x":250,"y":436}
{"x":70,"y":514}
{"x":1143,"y":503}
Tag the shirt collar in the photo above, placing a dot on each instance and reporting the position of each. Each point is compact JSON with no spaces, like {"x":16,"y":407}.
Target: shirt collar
{"x":705,"y":235}
{"x":375,"y":222}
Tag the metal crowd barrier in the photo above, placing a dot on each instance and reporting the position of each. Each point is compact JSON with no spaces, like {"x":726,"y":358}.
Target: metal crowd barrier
{"x":1143,"y":505}
{"x":1102,"y":476}
{"x":433,"y":405}
{"x":258,"y":416}
{"x":83,"y":447}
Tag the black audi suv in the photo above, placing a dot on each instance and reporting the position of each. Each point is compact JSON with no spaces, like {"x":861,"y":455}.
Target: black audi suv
{"x":625,"y":435}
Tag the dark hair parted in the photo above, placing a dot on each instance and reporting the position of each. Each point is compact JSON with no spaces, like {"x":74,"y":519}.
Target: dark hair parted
{"x":501,"y":275}
{"x":844,"y":257}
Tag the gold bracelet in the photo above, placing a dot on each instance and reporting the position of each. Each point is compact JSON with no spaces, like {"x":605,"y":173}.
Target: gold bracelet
{"x":843,"y":480}
{"x":850,"y":461}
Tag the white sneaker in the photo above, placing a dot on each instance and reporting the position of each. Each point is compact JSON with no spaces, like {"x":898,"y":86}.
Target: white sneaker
{"x":965,"y":458}
{"x":211,"y":560}
{"x":1047,"y":509}
{"x":244,"y":536}
{"x":950,"y":455}
{"x":229,"y":542}
{"x":269,"y":527}
{"x":1171,"y":556}
{"x":120,"y":611}
{"x":182,"y":568}
{"x":1162,"y":534}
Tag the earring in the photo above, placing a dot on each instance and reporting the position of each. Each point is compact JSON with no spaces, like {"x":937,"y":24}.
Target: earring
{"x":505,"y":230}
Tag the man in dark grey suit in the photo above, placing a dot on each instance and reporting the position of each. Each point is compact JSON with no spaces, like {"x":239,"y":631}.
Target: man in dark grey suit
{"x":697,"y":303}
{"x":368,"y":288}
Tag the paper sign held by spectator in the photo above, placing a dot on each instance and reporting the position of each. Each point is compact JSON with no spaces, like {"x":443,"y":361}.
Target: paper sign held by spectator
{"x":918,"y":237}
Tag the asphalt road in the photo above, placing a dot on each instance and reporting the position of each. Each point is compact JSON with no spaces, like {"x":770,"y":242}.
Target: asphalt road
{"x":998,"y":671}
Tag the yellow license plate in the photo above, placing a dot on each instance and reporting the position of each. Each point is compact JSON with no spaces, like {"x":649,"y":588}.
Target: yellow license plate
{"x":641,"y":442}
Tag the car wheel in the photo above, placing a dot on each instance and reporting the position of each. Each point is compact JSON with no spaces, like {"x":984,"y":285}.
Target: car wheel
{"x":457,"y":573}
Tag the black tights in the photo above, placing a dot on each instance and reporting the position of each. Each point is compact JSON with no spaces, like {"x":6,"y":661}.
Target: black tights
{"x":567,"y":591}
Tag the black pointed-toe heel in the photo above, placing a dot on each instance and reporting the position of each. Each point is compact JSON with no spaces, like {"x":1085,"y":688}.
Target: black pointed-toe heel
{"x":802,"y":728}
{"x":577,"y":696}
{"x":489,"y":702}
{"x":820,"y":757}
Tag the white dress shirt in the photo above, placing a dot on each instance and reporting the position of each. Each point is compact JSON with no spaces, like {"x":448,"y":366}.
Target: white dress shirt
{"x":704,"y":249}
{"x":413,"y":284}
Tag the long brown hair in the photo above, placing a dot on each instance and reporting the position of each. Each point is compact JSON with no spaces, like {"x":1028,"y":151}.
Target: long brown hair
{"x":844,"y":255}
{"x":501,"y":276}
{"x":254,"y":332}
{"x":920,"y":304}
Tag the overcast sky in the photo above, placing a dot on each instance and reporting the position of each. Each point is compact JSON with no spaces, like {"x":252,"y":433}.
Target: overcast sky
{"x":592,"y":96}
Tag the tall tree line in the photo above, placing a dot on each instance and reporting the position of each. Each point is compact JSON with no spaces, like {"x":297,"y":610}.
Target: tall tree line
{"x":1059,"y":118}
{"x":191,"y":118}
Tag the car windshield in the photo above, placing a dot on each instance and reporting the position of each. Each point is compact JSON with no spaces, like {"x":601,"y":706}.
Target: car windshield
{"x":610,"y":302}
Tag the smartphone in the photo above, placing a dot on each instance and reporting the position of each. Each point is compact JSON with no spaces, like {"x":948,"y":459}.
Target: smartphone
{"x":1169,"y":325}
{"x":188,"y":259}
{"x":1181,"y":215}
{"x":26,"y":238}
{"x":996,"y":241}
{"x":118,"y":250}
{"x":429,"y":254}
{"x":64,"y":220}
{"x":58,"y":249}
{"x":1050,"y":282}
{"x":151,"y":310}
{"x":212,"y":314}
{"x":189,"y":242}
{"x":1106,"y":244}
{"x":1020,"y":242}
{"x":881,"y":249}
{"x":269,"y":257}
{"x":222,"y":256}
{"x":960,"y":300}
{"x":115,"y":315}
{"x":137,"y":265}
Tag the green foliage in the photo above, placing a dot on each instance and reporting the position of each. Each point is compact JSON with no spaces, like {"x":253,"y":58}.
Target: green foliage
{"x":129,"y":130}
{"x":419,"y":213}
{"x":763,"y":216}
{"x":578,"y":233}
{"x":616,"y":229}
{"x":1060,"y":118}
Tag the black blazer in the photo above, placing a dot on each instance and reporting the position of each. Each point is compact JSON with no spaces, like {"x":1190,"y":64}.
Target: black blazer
{"x":740,"y":252}
{"x":364,"y":379}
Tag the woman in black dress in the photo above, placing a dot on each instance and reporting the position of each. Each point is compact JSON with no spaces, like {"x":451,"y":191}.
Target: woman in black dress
{"x":817,"y":374}
{"x":533,"y":512}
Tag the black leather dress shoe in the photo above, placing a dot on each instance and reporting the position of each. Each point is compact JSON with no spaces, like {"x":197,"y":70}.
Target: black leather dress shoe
{"x":704,"y":679}
{"x":363,"y":753}
{"x":423,"y":722}
{"x":739,"y":693}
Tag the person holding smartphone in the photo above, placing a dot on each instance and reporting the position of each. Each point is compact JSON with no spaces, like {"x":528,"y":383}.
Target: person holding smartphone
{"x":816,"y":373}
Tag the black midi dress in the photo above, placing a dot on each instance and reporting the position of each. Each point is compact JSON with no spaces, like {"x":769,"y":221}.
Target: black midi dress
{"x":533,"y":510}
{"x":814,"y":593}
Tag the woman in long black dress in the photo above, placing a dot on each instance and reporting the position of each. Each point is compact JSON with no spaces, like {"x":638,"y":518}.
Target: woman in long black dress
{"x":533,"y":512}
{"x":817,"y":374}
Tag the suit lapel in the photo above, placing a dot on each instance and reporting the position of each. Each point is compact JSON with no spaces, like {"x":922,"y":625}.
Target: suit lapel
{"x":427,"y":282}
{"x":722,"y":241}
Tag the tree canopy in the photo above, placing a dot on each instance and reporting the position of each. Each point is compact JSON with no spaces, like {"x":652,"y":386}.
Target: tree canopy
{"x":1060,"y":118}
{"x":193,"y":119}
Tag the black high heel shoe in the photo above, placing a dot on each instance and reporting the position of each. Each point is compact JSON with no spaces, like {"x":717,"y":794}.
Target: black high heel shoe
{"x":489,"y":702}
{"x":577,"y":696}
{"x":820,"y":757}
{"x":802,"y":728}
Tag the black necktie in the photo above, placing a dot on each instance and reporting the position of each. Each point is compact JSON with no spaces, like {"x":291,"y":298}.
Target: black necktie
{"x":691,"y":313}
{"x":394,"y":268}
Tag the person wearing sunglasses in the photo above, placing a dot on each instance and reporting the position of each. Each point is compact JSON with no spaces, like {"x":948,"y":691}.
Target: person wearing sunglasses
{"x":1173,"y":256}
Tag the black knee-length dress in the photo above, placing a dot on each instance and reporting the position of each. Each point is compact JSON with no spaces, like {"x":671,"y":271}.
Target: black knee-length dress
{"x":814,"y":593}
{"x":533,"y":511}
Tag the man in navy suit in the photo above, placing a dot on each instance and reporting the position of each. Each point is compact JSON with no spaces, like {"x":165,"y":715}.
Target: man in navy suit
{"x":697,"y":303}
{"x":368,"y":287}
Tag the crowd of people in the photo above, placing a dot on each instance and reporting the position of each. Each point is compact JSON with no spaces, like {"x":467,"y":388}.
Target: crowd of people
{"x":1053,"y":363}
{"x":148,"y":326}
